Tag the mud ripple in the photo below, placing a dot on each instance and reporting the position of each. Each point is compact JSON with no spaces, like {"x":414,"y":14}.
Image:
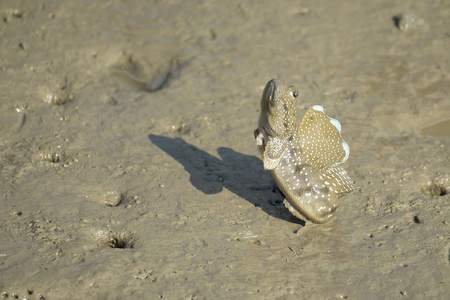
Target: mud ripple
{"x":144,"y":73}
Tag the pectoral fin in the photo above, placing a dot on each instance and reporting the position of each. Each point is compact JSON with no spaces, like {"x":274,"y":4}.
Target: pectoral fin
{"x":273,"y":152}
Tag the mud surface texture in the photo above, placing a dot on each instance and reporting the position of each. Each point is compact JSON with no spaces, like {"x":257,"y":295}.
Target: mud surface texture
{"x":129,"y":168}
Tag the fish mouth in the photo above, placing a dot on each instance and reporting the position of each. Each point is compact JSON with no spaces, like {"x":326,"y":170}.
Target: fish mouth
{"x":269,"y":91}
{"x":268,"y":101}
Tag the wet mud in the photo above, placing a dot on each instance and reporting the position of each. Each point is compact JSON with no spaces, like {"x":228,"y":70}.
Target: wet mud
{"x":129,"y":167}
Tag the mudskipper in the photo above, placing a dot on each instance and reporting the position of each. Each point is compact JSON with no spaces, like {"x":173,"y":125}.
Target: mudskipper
{"x":305,"y":159}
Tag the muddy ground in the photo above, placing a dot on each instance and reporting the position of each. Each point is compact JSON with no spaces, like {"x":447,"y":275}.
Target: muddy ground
{"x":129,"y":168}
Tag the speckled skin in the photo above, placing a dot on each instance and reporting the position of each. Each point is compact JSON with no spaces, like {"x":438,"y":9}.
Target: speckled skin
{"x":277,"y":122}
{"x":304,"y":160}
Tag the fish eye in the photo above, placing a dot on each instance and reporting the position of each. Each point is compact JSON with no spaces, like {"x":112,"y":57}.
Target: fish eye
{"x":294,"y":91}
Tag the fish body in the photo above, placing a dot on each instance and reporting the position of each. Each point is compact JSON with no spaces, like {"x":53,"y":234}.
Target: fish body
{"x":304,"y":158}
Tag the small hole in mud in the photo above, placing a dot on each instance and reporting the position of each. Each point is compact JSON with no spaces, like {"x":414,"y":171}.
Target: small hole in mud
{"x":417,"y":220}
{"x":53,"y":154}
{"x":276,"y":202}
{"x":275,"y":188}
{"x":111,"y":239}
{"x":434,"y":189}
{"x":396,"y":20}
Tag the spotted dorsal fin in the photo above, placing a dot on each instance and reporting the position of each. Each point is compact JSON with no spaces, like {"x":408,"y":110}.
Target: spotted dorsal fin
{"x":321,"y":141}
{"x":324,"y":149}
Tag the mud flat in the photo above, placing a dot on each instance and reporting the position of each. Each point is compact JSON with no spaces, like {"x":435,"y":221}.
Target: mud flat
{"x":129,"y":168}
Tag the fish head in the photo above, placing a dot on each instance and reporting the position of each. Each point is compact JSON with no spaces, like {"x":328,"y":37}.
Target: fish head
{"x":278,"y":117}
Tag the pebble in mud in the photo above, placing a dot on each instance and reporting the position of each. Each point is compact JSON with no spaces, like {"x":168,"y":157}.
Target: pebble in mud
{"x":407,"y":21}
{"x":180,"y":128}
{"x":12,"y":13}
{"x":111,"y":198}
{"x":57,"y":92}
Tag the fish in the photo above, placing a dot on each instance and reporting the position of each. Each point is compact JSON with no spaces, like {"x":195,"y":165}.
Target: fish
{"x":305,"y":159}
